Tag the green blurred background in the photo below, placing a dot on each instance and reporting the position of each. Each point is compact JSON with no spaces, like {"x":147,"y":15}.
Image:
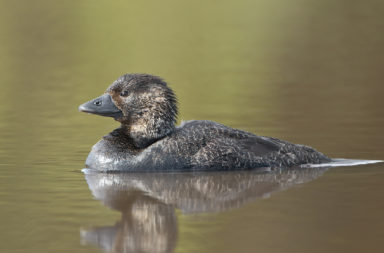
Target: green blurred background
{"x":306,"y":71}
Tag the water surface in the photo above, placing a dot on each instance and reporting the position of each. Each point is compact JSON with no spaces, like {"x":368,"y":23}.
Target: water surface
{"x":308,"y":72}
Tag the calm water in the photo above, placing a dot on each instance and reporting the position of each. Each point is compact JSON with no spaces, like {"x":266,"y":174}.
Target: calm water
{"x":306,"y":71}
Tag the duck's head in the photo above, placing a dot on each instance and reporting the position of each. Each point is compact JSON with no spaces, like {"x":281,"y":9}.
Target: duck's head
{"x":144,"y":104}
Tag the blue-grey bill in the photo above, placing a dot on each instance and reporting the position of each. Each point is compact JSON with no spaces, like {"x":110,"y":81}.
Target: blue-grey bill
{"x":102,"y":106}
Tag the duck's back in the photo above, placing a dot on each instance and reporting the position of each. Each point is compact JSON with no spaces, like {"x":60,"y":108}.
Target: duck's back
{"x":207,"y":144}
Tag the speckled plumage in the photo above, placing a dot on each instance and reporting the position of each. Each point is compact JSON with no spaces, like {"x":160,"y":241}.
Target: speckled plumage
{"x":149,"y":140}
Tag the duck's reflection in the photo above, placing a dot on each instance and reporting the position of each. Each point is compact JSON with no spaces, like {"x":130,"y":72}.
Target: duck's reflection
{"x":147,"y":202}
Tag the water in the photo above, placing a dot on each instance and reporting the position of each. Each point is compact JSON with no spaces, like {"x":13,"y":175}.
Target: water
{"x":308,"y":72}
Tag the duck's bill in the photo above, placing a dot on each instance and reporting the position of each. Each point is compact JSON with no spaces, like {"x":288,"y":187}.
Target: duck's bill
{"x":102,"y":106}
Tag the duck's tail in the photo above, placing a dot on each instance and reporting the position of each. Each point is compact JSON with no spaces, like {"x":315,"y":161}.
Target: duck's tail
{"x":337,"y":162}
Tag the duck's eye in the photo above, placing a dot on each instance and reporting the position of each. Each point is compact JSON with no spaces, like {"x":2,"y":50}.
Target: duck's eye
{"x":124,"y":93}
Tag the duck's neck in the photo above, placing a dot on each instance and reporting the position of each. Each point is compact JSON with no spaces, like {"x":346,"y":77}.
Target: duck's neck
{"x":146,"y":129}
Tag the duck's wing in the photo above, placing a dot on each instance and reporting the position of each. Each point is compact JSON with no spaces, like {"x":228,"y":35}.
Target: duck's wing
{"x":259,"y":145}
{"x":236,"y":152}
{"x":212,"y":144}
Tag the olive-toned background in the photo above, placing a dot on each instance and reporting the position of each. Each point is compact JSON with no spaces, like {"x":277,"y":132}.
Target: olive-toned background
{"x":306,"y":71}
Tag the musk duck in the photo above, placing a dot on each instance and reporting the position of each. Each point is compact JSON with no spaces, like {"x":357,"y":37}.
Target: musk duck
{"x":149,"y":140}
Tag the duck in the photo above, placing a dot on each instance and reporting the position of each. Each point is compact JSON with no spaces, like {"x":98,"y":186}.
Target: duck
{"x":149,"y":140}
